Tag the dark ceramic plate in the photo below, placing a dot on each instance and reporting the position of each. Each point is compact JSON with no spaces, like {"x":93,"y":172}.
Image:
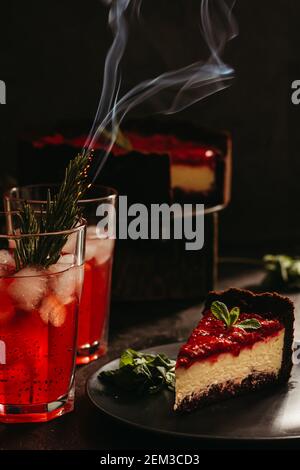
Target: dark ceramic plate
{"x":262,"y":415}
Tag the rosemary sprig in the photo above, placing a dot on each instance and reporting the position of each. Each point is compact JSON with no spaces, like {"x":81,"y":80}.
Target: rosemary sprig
{"x":62,"y":212}
{"x":28,"y":224}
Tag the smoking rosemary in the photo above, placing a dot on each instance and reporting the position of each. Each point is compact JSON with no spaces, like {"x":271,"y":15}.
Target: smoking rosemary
{"x":61,"y":212}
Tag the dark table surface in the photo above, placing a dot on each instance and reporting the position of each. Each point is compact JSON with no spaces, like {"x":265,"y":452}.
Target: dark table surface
{"x":138,"y":326}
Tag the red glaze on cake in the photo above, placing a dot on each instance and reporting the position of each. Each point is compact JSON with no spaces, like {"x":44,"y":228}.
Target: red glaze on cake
{"x":211,"y":337}
{"x":180,"y":151}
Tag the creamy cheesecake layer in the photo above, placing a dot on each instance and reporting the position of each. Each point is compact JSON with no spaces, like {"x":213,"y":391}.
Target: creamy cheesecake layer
{"x":192,"y":178}
{"x":263,"y":357}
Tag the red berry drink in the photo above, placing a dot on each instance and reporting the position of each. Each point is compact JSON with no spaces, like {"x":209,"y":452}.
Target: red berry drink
{"x":95,"y":299}
{"x":38,"y":325}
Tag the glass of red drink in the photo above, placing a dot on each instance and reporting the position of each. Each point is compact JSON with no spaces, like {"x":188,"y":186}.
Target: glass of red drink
{"x":38,"y":327}
{"x":95,"y":300}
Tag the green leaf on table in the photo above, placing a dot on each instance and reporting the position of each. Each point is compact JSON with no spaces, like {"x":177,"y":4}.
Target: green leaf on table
{"x":282,"y":272}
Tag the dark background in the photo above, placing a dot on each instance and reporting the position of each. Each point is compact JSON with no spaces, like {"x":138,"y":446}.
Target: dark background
{"x":51,"y":58}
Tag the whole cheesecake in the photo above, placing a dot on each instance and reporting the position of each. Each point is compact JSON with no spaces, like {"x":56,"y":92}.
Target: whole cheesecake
{"x":243,"y":343}
{"x":153,"y":162}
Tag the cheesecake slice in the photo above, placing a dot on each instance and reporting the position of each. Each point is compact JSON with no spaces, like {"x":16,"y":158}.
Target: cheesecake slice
{"x":243,"y":343}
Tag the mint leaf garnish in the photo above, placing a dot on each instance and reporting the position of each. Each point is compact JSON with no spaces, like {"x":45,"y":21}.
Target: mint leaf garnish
{"x":230,"y":318}
{"x":220,"y":311}
{"x":127,"y":357}
{"x":141,"y":373}
{"x":234,"y":315}
{"x":249,"y":324}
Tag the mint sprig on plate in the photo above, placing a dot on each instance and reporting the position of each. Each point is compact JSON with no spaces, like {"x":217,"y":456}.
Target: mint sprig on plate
{"x":141,"y":373}
{"x":230,"y":318}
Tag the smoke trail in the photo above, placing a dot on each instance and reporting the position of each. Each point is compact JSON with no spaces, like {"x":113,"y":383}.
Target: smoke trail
{"x":191,"y":83}
{"x":118,"y":25}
